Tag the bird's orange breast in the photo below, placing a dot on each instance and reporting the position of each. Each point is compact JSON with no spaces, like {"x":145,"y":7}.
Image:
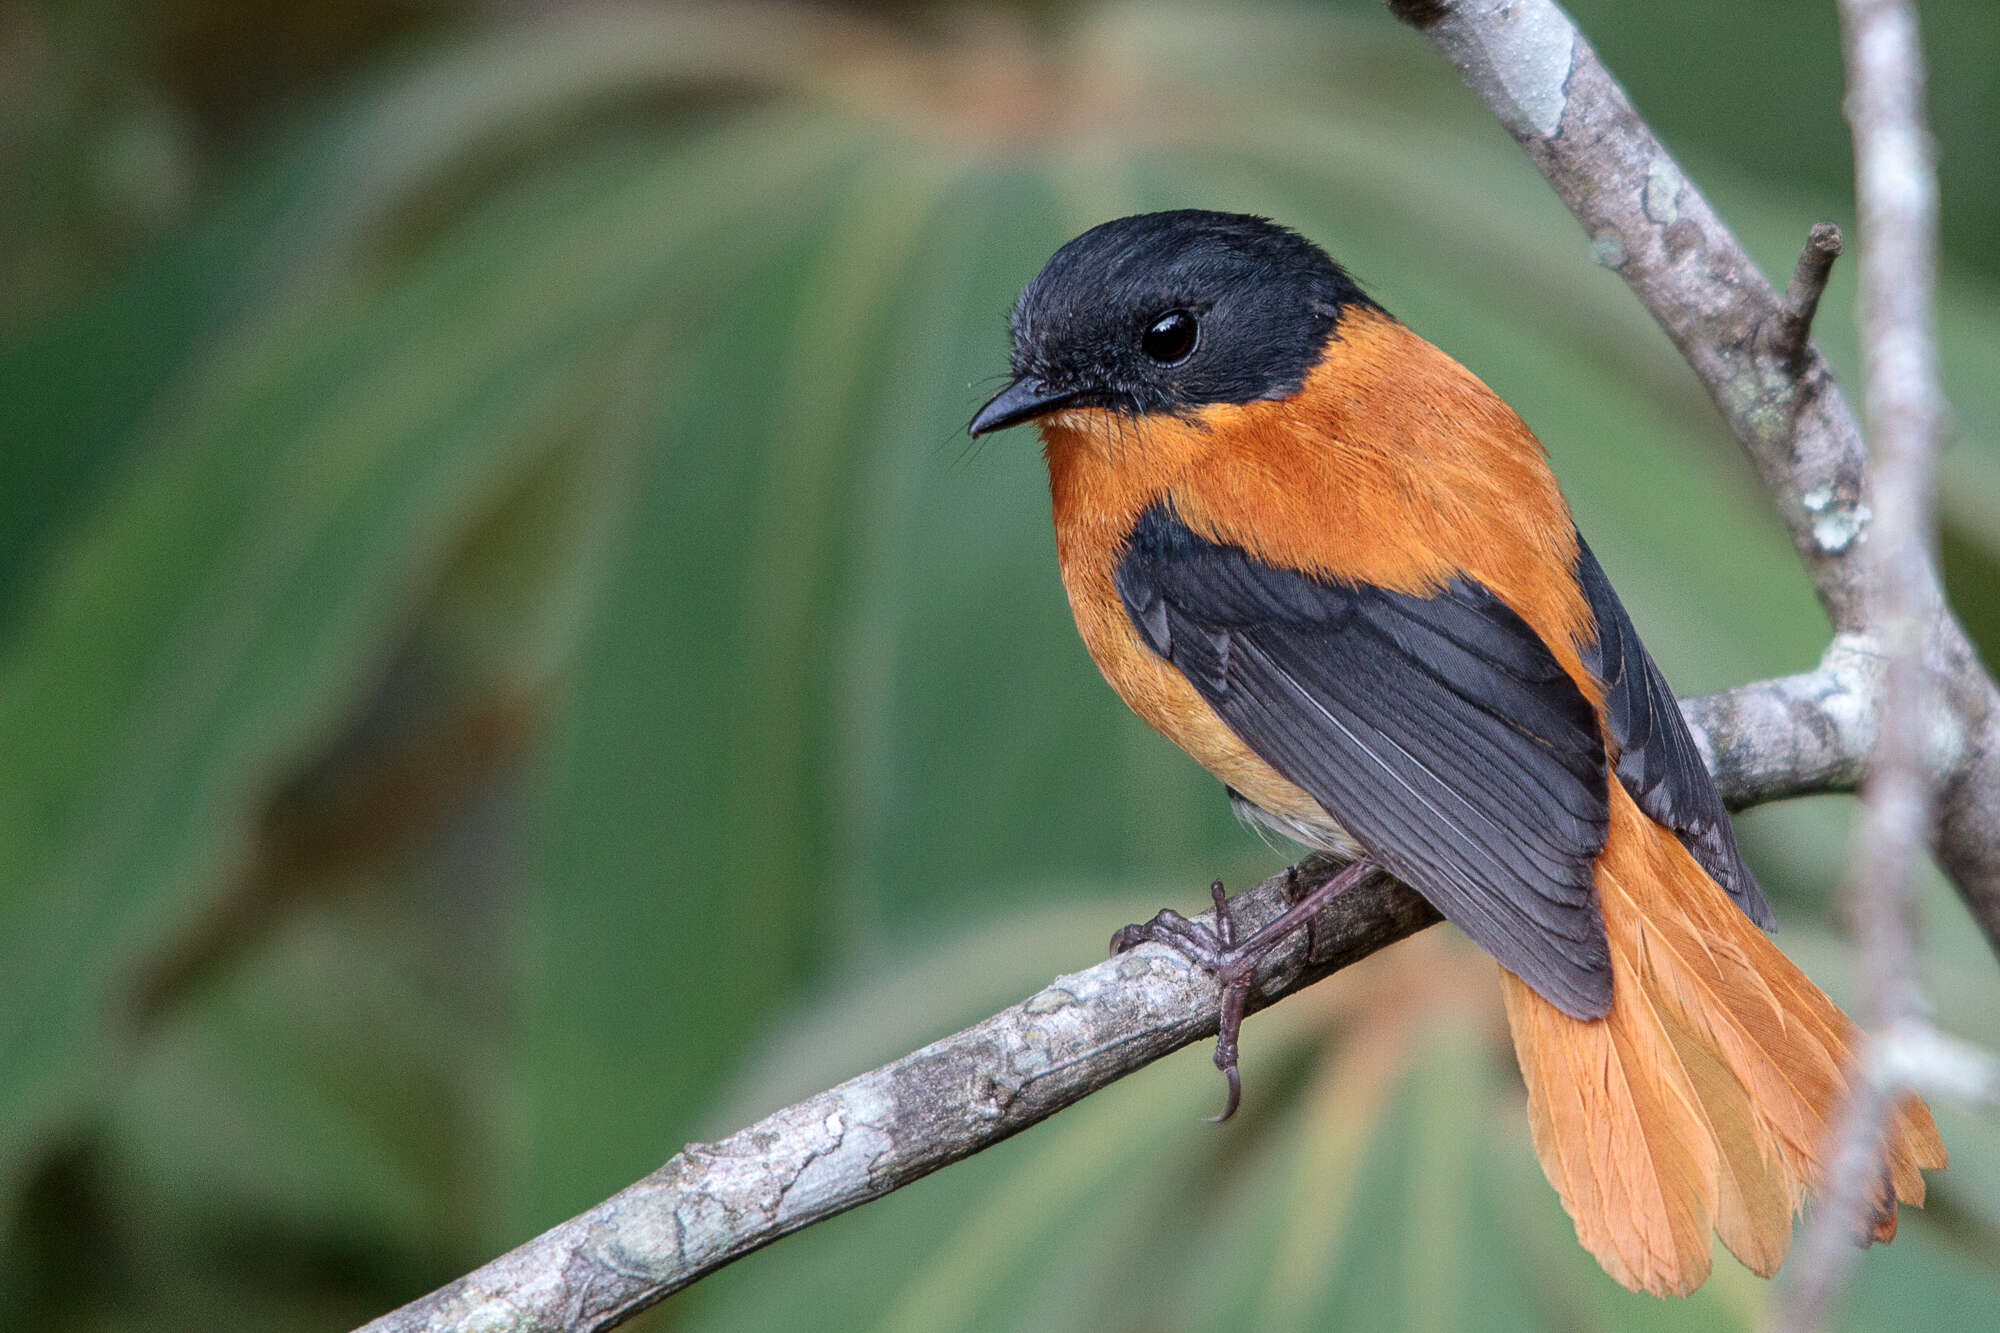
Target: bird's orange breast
{"x":1393,"y":465}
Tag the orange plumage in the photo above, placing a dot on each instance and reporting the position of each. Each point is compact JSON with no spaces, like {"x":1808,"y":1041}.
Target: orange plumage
{"x":1717,"y":1070}
{"x":1699,"y":1101}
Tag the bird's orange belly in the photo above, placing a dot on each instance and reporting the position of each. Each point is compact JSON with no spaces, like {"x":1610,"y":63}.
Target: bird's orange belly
{"x":1163,"y":698}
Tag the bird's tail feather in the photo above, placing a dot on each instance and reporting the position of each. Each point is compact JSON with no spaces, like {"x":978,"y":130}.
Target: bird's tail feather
{"x":1701,"y":1101}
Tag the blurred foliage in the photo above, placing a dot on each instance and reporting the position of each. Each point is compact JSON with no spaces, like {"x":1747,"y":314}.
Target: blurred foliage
{"x":509,"y":666}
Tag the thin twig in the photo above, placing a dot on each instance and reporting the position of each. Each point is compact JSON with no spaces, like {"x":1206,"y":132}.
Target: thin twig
{"x":1896,"y":188}
{"x":1792,"y":334}
{"x":1913,"y":1054}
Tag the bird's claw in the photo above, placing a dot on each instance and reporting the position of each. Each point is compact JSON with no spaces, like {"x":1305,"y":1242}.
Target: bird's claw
{"x":1233,"y":963}
{"x":1207,"y":949}
{"x":1235,"y":1092}
{"x":1217,"y":953}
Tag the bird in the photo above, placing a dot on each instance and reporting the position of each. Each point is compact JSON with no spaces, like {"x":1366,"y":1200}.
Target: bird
{"x":1334,"y":567}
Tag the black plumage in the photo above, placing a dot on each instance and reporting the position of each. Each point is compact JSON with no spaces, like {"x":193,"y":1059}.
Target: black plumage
{"x":1440,"y":731}
{"x":1658,"y":761}
{"x":1077,"y":327}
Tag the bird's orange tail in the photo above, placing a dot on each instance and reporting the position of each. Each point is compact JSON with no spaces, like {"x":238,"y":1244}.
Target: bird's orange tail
{"x":1701,"y":1101}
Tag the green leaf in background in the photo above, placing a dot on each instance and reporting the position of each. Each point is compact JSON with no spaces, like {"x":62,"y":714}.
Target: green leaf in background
{"x":512,"y":665}
{"x":236,"y":593}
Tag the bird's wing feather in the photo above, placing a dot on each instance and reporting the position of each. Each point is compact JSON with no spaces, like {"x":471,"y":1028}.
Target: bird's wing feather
{"x":1440,"y":731}
{"x":1657,"y":759}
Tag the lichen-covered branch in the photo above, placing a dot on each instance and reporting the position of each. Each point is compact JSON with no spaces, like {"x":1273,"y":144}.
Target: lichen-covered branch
{"x":1794,"y":735}
{"x":714,"y":1202}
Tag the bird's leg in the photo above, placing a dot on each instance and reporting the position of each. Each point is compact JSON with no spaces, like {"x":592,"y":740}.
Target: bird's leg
{"x":1233,"y":964}
{"x":1292,"y":894}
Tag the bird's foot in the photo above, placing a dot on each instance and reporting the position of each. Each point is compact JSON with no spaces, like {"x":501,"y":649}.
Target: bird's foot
{"x":1234,"y":965}
{"x":1216,"y":952}
{"x":1207,"y":949}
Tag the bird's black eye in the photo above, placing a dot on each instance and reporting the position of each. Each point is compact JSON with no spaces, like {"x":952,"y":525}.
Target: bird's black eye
{"x":1170,"y":339}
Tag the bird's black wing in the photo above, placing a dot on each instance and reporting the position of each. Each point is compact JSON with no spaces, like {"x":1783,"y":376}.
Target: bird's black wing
{"x":1657,"y":758}
{"x":1440,"y":731}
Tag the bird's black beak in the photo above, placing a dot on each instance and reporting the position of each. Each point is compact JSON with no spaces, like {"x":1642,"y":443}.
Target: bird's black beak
{"x":1023,"y":400}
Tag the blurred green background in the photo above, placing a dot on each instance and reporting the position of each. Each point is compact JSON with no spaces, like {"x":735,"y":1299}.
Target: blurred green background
{"x":507,"y":663}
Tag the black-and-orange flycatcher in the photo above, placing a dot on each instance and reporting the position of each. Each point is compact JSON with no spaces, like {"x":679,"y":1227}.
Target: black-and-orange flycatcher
{"x":1334,"y":567}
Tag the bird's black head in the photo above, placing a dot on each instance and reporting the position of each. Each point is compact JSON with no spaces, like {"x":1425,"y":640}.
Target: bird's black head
{"x":1162,"y":312}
